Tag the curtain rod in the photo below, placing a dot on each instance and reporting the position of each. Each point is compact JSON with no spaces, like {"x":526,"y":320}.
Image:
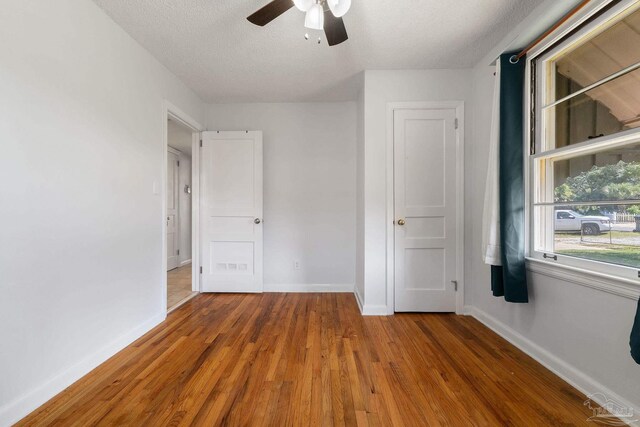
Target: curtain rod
{"x":515,"y":58}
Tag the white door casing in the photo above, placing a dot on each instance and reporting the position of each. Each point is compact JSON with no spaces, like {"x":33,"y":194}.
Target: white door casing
{"x":425,"y":207}
{"x":231,"y":211}
{"x":172,"y":211}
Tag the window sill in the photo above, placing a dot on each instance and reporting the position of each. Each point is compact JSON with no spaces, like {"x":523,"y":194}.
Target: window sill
{"x":614,"y":285}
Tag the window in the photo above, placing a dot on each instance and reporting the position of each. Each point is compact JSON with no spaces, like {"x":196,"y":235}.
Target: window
{"x":585,"y":159}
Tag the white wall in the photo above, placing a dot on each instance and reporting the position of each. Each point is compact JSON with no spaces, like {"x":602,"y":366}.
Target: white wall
{"x":381,"y":88}
{"x":579,"y":332}
{"x":309,"y":189}
{"x":81,"y":131}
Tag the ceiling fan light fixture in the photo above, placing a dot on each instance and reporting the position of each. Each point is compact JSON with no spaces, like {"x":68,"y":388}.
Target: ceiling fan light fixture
{"x":320,"y":15}
{"x":339,"y":8}
{"x":303,"y":5}
{"x":314,"y":18}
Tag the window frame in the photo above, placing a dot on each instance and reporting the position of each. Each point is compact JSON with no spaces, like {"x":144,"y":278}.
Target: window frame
{"x":576,"y":30}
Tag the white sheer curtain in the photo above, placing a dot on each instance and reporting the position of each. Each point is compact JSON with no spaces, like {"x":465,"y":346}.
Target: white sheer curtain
{"x":491,"y":252}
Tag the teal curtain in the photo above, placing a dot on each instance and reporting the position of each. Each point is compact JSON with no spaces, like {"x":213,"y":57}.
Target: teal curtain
{"x":635,"y":337}
{"x":509,"y":280}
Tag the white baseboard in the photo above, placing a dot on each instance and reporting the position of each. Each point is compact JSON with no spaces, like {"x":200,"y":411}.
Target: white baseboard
{"x":561,"y":368}
{"x":185,"y":262}
{"x":292,"y":287}
{"x":369,"y":310}
{"x":374,"y":310}
{"x":358,"y":298}
{"x":14,"y":411}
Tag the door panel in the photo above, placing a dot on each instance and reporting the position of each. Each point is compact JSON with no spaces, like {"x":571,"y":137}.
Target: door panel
{"x":172,"y":211}
{"x":424,"y":162}
{"x":425,"y":175}
{"x":233,"y":174}
{"x":231,"y":211}
{"x":423,"y":268}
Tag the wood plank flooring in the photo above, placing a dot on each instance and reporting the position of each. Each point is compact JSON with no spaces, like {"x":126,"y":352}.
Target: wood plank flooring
{"x":311,"y":359}
{"x":178,"y":285}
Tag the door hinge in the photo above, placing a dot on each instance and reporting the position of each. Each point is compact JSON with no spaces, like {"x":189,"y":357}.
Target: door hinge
{"x":178,"y":252}
{"x":455,"y":123}
{"x":200,"y":143}
{"x":178,"y":163}
{"x":455,"y":285}
{"x":200,"y":269}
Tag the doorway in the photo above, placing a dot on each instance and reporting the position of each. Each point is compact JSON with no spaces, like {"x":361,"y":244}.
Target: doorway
{"x":426,"y":184}
{"x":179,"y":212}
{"x":180,"y":208}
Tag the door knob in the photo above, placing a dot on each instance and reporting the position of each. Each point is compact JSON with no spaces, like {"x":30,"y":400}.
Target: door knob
{"x":257,"y":221}
{"x":401,"y":222}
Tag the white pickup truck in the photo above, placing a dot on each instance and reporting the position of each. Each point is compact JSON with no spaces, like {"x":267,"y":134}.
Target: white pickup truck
{"x":567,"y":220}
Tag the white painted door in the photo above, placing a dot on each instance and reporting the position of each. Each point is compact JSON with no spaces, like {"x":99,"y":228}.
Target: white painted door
{"x":425,"y":194}
{"x":172,"y":211}
{"x":231,"y":211}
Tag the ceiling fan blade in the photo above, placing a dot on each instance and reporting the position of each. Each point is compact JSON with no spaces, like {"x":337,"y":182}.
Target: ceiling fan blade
{"x":270,"y":12}
{"x":334,"y":29}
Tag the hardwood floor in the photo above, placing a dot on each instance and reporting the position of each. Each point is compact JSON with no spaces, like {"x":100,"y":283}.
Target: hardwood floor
{"x":178,"y":285}
{"x":311,"y":359}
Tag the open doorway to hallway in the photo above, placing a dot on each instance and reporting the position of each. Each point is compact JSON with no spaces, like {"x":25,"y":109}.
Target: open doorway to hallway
{"x":179,"y":214}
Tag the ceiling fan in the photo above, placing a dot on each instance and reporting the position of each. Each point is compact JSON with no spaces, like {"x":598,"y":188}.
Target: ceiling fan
{"x":320,"y":15}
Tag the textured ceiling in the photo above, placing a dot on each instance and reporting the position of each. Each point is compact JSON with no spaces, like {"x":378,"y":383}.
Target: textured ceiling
{"x":211,"y":46}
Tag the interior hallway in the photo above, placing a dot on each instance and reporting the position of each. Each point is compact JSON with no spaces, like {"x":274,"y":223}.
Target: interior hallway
{"x":303,"y":359}
{"x":178,"y":286}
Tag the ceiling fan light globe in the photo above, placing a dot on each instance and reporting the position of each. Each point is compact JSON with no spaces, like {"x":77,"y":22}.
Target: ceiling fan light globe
{"x":303,"y":5}
{"x":314,"y":18}
{"x":339,"y":8}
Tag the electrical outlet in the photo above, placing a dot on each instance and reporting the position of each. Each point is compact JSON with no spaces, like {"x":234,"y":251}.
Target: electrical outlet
{"x":296,"y":265}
